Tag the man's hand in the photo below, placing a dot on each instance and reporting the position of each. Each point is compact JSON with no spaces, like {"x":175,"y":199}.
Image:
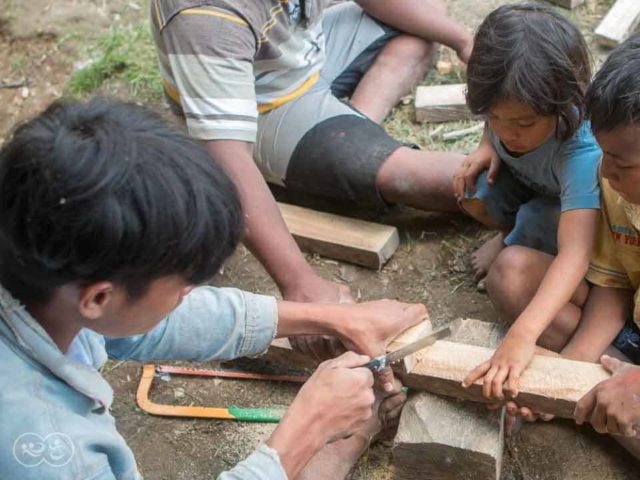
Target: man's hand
{"x":369,"y":327}
{"x":613,"y":406}
{"x":364,"y":328}
{"x":482,"y":158}
{"x":394,"y":398}
{"x":318,"y":290}
{"x":508,"y":362}
{"x":338,"y":398}
{"x":333,"y":404}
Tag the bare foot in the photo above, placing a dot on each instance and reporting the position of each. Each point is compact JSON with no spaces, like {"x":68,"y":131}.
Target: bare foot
{"x":483,"y":258}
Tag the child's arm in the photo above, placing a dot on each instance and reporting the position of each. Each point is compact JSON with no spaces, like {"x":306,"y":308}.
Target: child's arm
{"x":417,"y":17}
{"x":576,"y":233}
{"x":483,"y":157}
{"x":603,"y":316}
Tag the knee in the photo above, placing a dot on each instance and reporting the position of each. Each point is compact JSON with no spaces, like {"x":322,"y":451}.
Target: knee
{"x":407,"y":51}
{"x":417,"y":50}
{"x":396,"y":176}
{"x":477,"y":209}
{"x":508,"y":277}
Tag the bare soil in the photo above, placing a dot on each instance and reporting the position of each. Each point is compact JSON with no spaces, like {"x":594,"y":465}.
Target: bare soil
{"x":42,"y":40}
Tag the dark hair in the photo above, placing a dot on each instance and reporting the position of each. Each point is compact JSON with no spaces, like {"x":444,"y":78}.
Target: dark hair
{"x":533,"y":54}
{"x":108,"y":191}
{"x":613,"y":99}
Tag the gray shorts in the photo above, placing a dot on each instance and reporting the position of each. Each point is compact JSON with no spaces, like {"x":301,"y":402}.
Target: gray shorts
{"x":318,"y":143}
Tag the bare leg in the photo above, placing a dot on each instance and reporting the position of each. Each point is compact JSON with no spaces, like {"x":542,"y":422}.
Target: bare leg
{"x":335,"y":461}
{"x":512,"y":282}
{"x":398,"y":67}
{"x":420,"y":179}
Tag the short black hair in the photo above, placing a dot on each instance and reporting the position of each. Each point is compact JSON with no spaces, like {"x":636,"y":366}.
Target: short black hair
{"x":613,"y":99}
{"x":105,"y":190}
{"x":533,"y":54}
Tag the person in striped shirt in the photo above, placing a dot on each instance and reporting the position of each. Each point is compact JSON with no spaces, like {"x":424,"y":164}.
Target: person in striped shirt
{"x":263,"y":83}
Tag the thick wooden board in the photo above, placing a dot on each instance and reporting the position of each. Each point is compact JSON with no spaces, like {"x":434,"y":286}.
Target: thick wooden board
{"x":567,"y":3}
{"x":551,"y":385}
{"x":448,"y":438}
{"x":619,"y":24}
{"x":440,"y":438}
{"x":346,"y":239}
{"x":441,"y":103}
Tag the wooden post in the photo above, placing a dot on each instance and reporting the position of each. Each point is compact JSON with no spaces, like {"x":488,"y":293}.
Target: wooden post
{"x":341,"y":238}
{"x":619,"y":23}
{"x":443,"y":438}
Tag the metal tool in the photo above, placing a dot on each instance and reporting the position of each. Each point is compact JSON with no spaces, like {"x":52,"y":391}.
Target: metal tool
{"x":380,"y":362}
{"x":268,"y":415}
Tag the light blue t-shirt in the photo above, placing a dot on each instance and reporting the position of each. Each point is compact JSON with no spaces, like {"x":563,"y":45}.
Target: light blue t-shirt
{"x":565,"y":169}
{"x":55,"y":419}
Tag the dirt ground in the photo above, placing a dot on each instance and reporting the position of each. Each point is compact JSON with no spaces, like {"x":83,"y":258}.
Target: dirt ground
{"x":40,"y":43}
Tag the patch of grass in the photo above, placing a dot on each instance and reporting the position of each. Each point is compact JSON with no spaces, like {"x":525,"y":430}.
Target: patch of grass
{"x":17,"y":63}
{"x":124,"y":53}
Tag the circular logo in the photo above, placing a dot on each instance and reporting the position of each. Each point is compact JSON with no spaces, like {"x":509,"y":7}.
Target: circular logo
{"x":31,"y":449}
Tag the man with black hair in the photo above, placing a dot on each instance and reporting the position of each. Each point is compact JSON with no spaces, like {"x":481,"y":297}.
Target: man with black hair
{"x":108,"y":220}
{"x":264,"y":82}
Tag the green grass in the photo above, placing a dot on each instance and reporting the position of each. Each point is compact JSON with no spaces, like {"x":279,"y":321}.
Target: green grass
{"x":17,"y":63}
{"x":124,"y":53}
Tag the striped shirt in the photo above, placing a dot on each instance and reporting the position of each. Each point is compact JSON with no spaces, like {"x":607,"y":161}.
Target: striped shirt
{"x":223,"y":62}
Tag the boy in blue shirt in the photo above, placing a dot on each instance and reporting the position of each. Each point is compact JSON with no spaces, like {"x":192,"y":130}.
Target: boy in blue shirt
{"x":108,"y":219}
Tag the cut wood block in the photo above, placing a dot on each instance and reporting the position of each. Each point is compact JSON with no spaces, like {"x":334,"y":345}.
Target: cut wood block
{"x":447,"y":438}
{"x":439,"y":438}
{"x":567,"y":3}
{"x":619,"y":24}
{"x":549,"y":384}
{"x":410,"y":335}
{"x":442,"y":103}
{"x":347,"y":239}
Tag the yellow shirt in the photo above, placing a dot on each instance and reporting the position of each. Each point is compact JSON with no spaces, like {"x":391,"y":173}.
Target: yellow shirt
{"x":616,"y":256}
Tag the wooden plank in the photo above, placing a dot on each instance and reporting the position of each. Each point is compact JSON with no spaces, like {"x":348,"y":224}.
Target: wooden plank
{"x":347,"y":239}
{"x":449,"y":438}
{"x":441,"y":103}
{"x":551,"y":385}
{"x":571,"y":4}
{"x":619,"y":24}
